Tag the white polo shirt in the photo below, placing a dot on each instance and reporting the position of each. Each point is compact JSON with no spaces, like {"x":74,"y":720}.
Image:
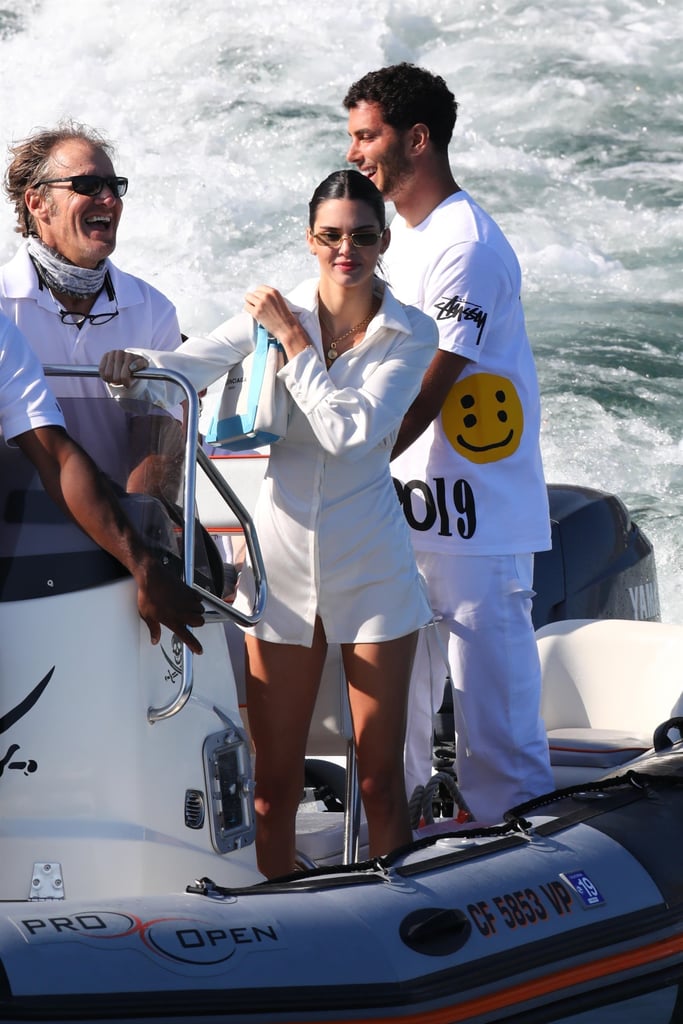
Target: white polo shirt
{"x":145,"y":318}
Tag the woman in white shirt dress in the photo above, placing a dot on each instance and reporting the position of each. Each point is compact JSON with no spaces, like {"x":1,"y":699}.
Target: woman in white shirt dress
{"x":336,"y":548}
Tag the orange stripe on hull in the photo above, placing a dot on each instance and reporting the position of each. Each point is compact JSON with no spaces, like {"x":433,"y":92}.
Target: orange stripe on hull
{"x":523,"y":992}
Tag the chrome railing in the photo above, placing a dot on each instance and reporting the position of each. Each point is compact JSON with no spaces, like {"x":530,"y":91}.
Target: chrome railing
{"x":215,"y":608}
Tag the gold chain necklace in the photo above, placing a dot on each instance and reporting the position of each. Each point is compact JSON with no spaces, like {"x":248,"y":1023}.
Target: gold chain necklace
{"x":332,"y":351}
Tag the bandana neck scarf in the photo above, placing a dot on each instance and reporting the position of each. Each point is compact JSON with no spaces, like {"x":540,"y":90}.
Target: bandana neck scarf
{"x":64,"y":277}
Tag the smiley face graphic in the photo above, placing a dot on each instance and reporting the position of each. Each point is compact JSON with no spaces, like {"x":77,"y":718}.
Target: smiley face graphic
{"x":482,"y":418}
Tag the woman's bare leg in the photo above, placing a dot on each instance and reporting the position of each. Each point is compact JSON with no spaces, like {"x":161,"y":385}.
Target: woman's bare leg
{"x":282,"y":684}
{"x":378,"y":677}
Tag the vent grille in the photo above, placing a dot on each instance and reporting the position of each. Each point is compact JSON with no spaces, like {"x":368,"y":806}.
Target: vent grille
{"x":195,"y":812}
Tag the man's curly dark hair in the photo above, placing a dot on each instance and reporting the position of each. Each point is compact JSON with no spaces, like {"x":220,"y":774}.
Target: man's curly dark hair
{"x":409,"y":95}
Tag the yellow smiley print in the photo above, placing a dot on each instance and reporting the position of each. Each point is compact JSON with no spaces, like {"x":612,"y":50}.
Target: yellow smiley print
{"x":482,"y":418}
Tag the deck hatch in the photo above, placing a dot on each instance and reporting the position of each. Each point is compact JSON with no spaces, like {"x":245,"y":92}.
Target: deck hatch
{"x":229,"y":785}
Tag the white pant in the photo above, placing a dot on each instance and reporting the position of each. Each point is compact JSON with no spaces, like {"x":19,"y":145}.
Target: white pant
{"x":483,"y":609}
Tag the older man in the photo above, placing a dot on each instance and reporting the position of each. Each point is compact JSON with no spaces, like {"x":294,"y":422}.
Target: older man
{"x":61,"y":288}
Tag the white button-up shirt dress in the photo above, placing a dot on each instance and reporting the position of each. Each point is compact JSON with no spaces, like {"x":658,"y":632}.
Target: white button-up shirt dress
{"x":334,"y":539}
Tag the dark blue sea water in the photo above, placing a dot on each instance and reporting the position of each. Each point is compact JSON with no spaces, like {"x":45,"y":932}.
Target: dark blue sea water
{"x":227,"y":114}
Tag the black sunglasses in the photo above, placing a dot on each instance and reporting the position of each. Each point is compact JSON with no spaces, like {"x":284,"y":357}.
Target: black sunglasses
{"x":74,"y":319}
{"x":333,"y":239}
{"x":68,"y":316}
{"x":90,"y":184}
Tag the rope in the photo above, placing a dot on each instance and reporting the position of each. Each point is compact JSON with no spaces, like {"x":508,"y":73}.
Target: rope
{"x":415,"y":807}
{"x":420,"y":805}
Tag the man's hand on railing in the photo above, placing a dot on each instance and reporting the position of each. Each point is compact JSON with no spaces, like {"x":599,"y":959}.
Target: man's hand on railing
{"x":163,"y":599}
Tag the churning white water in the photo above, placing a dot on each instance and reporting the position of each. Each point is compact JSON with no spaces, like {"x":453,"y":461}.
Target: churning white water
{"x":226,"y":115}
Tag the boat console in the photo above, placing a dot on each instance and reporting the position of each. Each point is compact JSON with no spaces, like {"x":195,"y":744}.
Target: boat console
{"x":124,"y":767}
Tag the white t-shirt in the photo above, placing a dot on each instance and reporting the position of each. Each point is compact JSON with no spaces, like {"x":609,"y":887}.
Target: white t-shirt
{"x":473,"y":482}
{"x":145,"y":317}
{"x":26,"y":402}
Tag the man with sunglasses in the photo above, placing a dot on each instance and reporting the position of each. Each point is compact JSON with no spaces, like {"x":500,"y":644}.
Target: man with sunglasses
{"x":467,"y":462}
{"x":62,"y":290}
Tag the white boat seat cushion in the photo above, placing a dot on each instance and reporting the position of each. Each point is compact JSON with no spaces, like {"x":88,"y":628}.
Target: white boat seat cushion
{"x":607,"y":685}
{"x":600,"y":748}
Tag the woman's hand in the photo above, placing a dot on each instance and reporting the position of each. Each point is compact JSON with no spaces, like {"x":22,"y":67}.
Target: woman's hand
{"x":117,"y":367}
{"x":268,"y":307}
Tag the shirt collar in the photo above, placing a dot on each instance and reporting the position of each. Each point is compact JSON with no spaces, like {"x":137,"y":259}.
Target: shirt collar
{"x":391,"y":314}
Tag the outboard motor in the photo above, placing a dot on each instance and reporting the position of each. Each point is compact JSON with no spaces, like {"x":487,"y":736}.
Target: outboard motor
{"x":601,"y":565}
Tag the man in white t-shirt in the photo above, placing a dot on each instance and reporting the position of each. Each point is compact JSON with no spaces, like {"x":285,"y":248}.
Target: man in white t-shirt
{"x":467,"y":461}
{"x":64,"y":293}
{"x":31,"y":419}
